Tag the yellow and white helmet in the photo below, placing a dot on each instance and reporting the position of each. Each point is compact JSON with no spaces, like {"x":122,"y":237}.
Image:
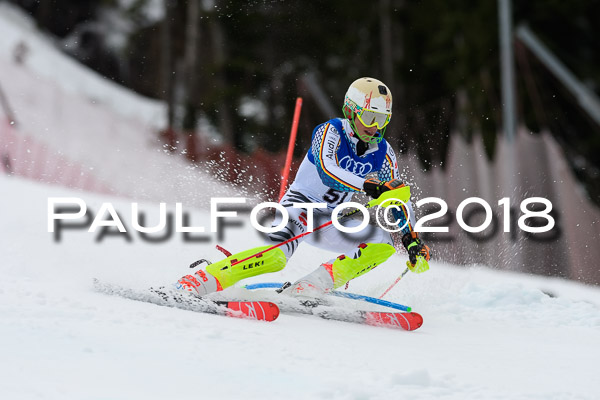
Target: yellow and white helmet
{"x":370,"y":100}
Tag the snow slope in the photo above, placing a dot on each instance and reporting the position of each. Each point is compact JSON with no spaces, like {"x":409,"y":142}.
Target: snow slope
{"x":487,"y":334}
{"x":41,"y":57}
{"x":62,"y":109}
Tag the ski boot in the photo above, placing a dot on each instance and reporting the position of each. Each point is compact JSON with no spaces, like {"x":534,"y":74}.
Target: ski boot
{"x":225,"y":273}
{"x":337,"y":272}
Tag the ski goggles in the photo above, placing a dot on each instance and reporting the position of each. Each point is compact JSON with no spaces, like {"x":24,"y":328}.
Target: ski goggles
{"x":371,"y":118}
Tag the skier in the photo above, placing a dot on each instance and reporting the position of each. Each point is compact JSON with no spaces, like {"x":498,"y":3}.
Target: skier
{"x":343,"y":152}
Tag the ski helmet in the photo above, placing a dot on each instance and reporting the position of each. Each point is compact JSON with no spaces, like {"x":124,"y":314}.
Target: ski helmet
{"x":370,"y":100}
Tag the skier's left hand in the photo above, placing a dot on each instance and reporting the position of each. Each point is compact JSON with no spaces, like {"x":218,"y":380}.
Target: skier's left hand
{"x":374,"y":187}
{"x":415,"y":247}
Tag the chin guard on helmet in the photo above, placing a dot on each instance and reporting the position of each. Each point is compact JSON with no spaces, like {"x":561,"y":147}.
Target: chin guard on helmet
{"x":370,"y":100}
{"x":350,"y":114}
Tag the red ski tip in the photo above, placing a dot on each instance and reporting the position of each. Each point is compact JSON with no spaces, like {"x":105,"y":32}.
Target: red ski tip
{"x":259,"y":310}
{"x":408,"y":321}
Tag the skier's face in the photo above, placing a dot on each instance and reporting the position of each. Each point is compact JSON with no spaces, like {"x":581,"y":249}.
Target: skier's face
{"x":365,"y":134}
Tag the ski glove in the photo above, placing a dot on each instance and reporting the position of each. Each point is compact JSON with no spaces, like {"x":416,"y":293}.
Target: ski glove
{"x":374,"y":187}
{"x":415,"y":247}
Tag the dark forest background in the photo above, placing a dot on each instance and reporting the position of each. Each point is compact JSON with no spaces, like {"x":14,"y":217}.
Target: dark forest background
{"x":211,"y":59}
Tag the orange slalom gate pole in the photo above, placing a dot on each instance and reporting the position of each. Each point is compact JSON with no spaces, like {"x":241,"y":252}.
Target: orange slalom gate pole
{"x":285,"y":172}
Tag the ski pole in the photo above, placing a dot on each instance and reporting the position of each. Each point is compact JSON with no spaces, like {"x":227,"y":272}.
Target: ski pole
{"x":394,"y":284}
{"x":402,"y":193}
{"x":295,"y":237}
{"x":353,"y":296}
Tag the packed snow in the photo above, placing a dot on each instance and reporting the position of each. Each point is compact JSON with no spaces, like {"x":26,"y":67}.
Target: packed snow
{"x":487,"y":334}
